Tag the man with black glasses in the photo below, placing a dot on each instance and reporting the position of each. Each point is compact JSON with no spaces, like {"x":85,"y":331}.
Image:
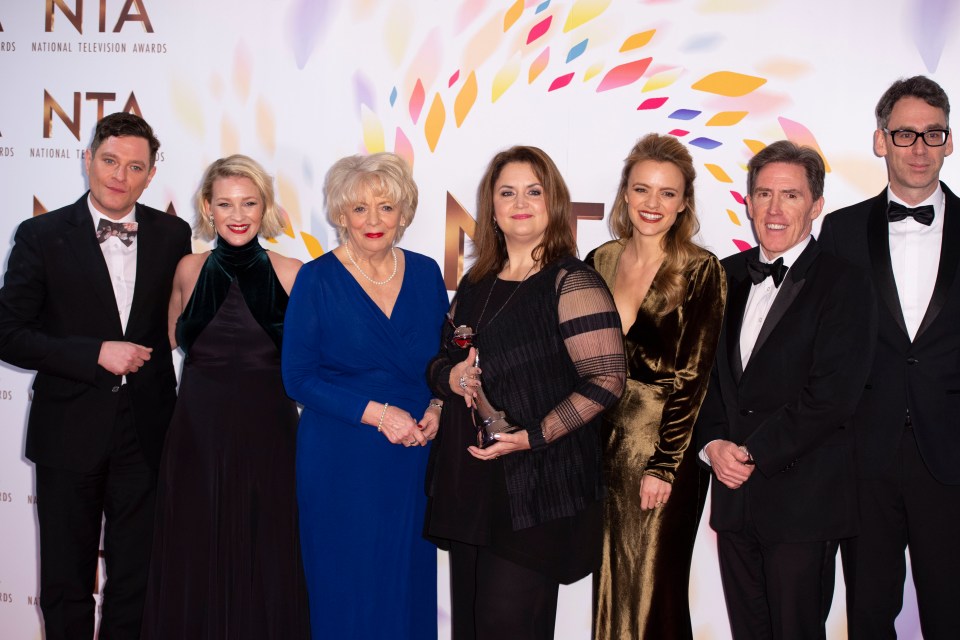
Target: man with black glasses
{"x":907,"y":424}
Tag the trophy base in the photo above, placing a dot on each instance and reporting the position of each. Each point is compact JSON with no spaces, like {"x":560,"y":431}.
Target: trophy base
{"x":486,"y":433}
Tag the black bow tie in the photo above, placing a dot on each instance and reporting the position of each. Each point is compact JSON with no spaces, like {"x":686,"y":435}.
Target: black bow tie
{"x":125,"y":232}
{"x":759,"y":271}
{"x":897,"y":212}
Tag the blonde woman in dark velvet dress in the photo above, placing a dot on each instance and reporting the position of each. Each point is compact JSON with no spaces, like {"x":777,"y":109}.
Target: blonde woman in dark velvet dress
{"x":670,"y":295}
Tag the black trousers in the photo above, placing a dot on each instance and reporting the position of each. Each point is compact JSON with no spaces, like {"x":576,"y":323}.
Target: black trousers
{"x":776,"y":591}
{"x":119,"y":492}
{"x":906,"y":507}
{"x":496,"y":599}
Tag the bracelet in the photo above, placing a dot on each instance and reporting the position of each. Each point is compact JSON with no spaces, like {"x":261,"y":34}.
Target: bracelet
{"x":382,"y":413}
{"x":437,"y":404}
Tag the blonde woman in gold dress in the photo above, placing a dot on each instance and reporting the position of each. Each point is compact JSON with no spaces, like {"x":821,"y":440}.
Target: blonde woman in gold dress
{"x":670,"y":295}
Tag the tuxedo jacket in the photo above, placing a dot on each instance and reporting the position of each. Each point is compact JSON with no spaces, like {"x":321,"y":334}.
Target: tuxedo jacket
{"x":57,"y":307}
{"x":921,"y":376}
{"x":792,"y":404}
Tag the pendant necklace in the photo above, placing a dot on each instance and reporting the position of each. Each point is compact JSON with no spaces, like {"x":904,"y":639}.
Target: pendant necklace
{"x":379,"y":283}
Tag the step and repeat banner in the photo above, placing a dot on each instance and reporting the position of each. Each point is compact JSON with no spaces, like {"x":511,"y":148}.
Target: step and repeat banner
{"x":298,"y":84}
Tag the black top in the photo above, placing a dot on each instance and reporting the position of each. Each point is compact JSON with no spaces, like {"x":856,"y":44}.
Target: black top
{"x":552,"y":359}
{"x":250,"y":266}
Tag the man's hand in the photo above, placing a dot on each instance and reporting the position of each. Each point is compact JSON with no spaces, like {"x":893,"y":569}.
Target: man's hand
{"x":121,"y":358}
{"x":730,"y":463}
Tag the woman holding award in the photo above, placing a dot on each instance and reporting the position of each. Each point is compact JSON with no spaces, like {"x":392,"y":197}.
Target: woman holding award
{"x":532,"y":348}
{"x":361,"y":327}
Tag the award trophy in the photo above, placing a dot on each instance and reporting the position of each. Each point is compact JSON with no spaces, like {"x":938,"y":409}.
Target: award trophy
{"x":488,"y":420}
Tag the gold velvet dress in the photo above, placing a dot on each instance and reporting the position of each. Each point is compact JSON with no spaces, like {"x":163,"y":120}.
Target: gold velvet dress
{"x":641,"y":589}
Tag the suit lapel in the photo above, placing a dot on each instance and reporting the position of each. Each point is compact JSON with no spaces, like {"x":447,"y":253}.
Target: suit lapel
{"x":146,"y":250}
{"x":737,"y":303}
{"x":82,"y":239}
{"x":789,"y":290}
{"x":878,"y":243}
{"x":949,"y":259}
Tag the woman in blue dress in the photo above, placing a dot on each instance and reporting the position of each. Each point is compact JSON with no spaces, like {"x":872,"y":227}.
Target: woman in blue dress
{"x":362,"y":323}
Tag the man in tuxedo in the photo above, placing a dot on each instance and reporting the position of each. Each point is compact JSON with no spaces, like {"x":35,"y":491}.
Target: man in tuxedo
{"x":794,"y":351}
{"x":907,"y":423}
{"x":84,"y":303}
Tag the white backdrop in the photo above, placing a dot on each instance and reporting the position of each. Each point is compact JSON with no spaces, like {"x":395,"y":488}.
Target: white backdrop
{"x":446,"y":83}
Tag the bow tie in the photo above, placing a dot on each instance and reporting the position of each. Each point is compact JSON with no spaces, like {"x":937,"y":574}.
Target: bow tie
{"x":897,"y":212}
{"x":759,"y":271}
{"x":125,"y":232}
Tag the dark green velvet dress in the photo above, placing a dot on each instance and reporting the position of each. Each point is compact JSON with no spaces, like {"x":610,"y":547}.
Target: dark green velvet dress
{"x":642,"y":586}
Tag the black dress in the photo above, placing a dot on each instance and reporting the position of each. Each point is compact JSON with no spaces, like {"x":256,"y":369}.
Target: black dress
{"x":226,"y":555}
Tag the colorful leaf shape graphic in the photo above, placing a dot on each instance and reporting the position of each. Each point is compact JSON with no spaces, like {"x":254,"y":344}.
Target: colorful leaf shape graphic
{"x":637,"y":40}
{"x":705,"y":143}
{"x":512,"y":15}
{"x":402,"y":147}
{"x":416,"y":101}
{"x":592,"y":71}
{"x":742,"y":245}
{"x":584,"y":11}
{"x":453,"y":79}
{"x":538,"y":65}
{"x":436,"y":118}
{"x":577,"y":50}
{"x":624,"y":74}
{"x":542,"y":6}
{"x":314,"y":248}
{"x":755,"y":146}
{"x":505,"y":78}
{"x":662,"y":79}
{"x":799,"y":134}
{"x":728,"y":83}
{"x":652,"y":103}
{"x":266,"y":126}
{"x":465,"y":99}
{"x":561,"y":82}
{"x":734,"y":218}
{"x":539,"y":29}
{"x":393,"y":96}
{"x":678,"y":132}
{"x":726,"y":118}
{"x":684,"y":114}
{"x":739,"y":198}
{"x":372,"y":131}
{"x":717,"y":172}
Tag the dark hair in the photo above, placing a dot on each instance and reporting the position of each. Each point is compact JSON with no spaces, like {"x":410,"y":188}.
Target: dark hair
{"x":786,"y":151}
{"x":678,"y":246}
{"x":118,"y":125}
{"x":920,"y":87}
{"x":489,"y":246}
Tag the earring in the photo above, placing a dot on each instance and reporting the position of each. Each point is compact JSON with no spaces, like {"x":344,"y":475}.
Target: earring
{"x":211,"y":222}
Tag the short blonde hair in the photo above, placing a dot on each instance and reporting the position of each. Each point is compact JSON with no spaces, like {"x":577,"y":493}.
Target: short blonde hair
{"x":238,"y":166}
{"x":383,"y":174}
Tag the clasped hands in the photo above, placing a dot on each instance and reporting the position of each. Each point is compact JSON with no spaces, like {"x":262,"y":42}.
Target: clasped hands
{"x":465,"y":381}
{"x":399,"y":427}
{"x":731,"y":462}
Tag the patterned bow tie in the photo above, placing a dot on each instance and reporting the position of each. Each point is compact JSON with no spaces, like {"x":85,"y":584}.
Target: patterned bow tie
{"x":125,"y":232}
{"x":759,"y":271}
{"x":897,"y":212}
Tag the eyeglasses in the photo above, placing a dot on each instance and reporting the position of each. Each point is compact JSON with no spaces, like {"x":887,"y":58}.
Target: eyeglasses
{"x":908,"y":137}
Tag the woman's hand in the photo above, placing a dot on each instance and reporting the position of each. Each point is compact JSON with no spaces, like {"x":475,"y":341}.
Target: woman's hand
{"x":430,"y":423}
{"x":464,"y":378}
{"x":508,"y":443}
{"x":654,"y":492}
{"x":396,"y":424}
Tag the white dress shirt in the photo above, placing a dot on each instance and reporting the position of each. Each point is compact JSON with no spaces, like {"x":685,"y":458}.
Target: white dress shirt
{"x":121,"y":263}
{"x":915,"y":257}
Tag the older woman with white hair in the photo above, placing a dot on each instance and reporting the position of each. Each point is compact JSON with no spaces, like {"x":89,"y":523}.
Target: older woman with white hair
{"x":362,"y":324}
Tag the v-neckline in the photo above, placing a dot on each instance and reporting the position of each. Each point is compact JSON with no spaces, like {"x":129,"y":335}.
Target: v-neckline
{"x":613,"y":288}
{"x":403,"y":284}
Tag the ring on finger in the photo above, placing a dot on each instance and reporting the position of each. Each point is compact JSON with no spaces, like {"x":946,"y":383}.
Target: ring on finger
{"x":463,"y":383}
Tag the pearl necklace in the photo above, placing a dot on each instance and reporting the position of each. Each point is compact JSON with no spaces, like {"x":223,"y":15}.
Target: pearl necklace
{"x":379,"y":283}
